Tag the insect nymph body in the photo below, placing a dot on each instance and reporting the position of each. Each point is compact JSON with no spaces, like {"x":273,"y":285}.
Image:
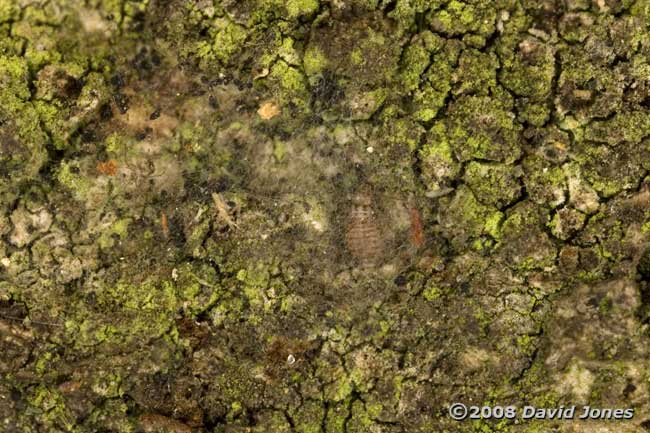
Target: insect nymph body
{"x":363,"y":236}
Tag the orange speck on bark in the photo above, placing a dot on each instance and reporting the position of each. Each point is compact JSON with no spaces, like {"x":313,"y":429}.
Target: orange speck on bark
{"x":164,"y":225}
{"x":108,"y":168}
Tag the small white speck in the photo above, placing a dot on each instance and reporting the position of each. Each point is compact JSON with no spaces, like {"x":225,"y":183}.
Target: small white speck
{"x":174,"y":274}
{"x":370,"y":149}
{"x":291,"y":359}
{"x":5,"y":262}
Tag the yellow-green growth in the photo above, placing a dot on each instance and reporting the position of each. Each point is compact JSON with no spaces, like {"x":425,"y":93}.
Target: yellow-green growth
{"x":299,"y":8}
{"x":314,"y":60}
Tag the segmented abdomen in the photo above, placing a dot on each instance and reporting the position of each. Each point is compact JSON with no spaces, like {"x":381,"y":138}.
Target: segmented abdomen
{"x":363,"y":236}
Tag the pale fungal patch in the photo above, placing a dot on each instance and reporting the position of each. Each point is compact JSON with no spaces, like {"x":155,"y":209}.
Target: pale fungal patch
{"x":602,"y":5}
{"x":28,"y":225}
{"x":92,"y":21}
{"x":578,"y":381}
{"x":315,"y":217}
{"x":137,"y":118}
{"x":581,"y":195}
{"x":268,"y":110}
{"x":438,"y":192}
{"x":389,"y":270}
{"x":344,"y":135}
{"x":474,"y":358}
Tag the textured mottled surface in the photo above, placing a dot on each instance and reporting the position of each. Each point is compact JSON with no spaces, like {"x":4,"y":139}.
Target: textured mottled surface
{"x":363,"y":236}
{"x":181,"y":249}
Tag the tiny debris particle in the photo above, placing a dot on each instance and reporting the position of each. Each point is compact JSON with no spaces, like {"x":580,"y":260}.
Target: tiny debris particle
{"x":559,"y":145}
{"x":262,"y":73}
{"x":152,"y":422}
{"x":143,"y":134}
{"x":122,"y":102}
{"x":291,"y":359}
{"x":268,"y":110}
{"x":69,"y":386}
{"x":213,"y":102}
{"x":87,"y":136}
{"x":117,"y":81}
{"x":155,"y":114}
{"x":106,"y":112}
{"x":438,"y":192}
{"x":223,"y":210}
{"x":164,"y":225}
{"x":417,"y":228}
{"x":370,"y":149}
{"x":5,"y":262}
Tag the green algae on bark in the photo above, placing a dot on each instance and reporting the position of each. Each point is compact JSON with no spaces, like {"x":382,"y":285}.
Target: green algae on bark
{"x":171,"y":260}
